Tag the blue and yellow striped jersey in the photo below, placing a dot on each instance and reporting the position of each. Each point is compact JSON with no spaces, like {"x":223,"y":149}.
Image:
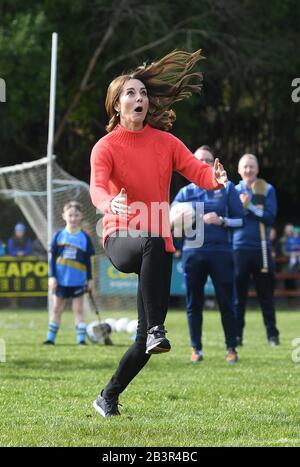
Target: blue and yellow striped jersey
{"x":70,"y":260}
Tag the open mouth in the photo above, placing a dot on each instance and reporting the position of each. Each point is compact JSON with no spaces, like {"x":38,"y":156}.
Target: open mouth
{"x":138,"y":109}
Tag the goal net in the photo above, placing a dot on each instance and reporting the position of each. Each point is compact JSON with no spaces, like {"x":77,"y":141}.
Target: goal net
{"x":23,"y":193}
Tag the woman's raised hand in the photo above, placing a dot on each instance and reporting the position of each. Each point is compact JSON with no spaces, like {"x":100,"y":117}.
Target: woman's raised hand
{"x":119,"y":204}
{"x":220,"y":173}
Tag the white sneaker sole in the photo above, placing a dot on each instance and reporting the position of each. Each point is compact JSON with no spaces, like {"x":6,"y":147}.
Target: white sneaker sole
{"x":156,"y":349}
{"x":98,"y":409}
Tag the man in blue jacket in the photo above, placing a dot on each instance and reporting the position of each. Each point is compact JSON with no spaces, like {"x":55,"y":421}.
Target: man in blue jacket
{"x":223,"y":212}
{"x":248,"y":252}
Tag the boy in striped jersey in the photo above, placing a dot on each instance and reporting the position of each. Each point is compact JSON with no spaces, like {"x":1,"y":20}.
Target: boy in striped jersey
{"x":70,"y":271}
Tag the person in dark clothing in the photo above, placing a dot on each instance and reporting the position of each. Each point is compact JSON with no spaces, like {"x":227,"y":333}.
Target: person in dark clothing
{"x":19,"y":244}
{"x":223,"y":212}
{"x":248,"y":250}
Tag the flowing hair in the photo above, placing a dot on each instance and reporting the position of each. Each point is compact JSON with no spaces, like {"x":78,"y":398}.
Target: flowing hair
{"x":167,"y":81}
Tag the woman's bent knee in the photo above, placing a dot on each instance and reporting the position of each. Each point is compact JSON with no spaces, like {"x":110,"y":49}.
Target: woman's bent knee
{"x":156,"y":243}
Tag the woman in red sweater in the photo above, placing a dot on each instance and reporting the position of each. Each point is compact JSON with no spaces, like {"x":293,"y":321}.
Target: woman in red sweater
{"x":131,"y":170}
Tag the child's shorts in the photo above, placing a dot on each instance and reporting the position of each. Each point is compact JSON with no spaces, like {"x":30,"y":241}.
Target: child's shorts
{"x":69,"y":292}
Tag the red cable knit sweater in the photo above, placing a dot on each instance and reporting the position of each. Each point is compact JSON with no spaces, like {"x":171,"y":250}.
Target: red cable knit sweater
{"x":142,"y":162}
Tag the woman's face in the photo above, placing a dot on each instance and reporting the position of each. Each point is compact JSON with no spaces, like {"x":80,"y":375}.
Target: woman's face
{"x":133,"y":104}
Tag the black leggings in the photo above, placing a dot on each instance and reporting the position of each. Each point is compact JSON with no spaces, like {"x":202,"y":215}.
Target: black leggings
{"x":146,"y":256}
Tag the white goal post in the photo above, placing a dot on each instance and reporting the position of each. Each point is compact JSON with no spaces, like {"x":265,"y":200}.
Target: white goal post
{"x":26,"y":185}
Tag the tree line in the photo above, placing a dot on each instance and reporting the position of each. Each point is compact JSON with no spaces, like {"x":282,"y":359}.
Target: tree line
{"x":252,"y":57}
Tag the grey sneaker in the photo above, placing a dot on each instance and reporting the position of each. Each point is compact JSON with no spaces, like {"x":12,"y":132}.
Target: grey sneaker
{"x":106,"y":407}
{"x":274,"y":340}
{"x":157,"y":341}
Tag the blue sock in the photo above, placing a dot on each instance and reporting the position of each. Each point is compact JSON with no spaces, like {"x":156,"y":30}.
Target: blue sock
{"x":80,"y":332}
{"x":52,"y":331}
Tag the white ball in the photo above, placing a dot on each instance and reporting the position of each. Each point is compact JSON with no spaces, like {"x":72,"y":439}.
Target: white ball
{"x":121,"y":324}
{"x":94,"y":333}
{"x":112,"y":322}
{"x":132,"y":326}
{"x":182,"y":216}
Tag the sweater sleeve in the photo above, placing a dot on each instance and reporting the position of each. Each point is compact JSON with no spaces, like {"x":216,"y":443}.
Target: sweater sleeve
{"x":191,"y":168}
{"x":101,"y":168}
{"x":235,"y":208}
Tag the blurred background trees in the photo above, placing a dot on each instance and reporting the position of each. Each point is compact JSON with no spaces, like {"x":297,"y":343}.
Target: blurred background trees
{"x":252,"y":55}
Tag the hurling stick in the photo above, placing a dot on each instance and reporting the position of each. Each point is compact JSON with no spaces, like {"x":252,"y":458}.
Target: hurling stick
{"x":259,"y":188}
{"x":107,"y":339}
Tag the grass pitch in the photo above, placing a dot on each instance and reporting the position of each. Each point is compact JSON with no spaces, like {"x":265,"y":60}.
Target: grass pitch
{"x":47,"y":392}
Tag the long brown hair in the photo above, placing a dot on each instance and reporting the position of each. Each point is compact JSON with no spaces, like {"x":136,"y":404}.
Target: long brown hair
{"x":167,"y":81}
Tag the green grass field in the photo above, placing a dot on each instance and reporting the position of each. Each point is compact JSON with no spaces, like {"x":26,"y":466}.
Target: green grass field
{"x":47,"y":393}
